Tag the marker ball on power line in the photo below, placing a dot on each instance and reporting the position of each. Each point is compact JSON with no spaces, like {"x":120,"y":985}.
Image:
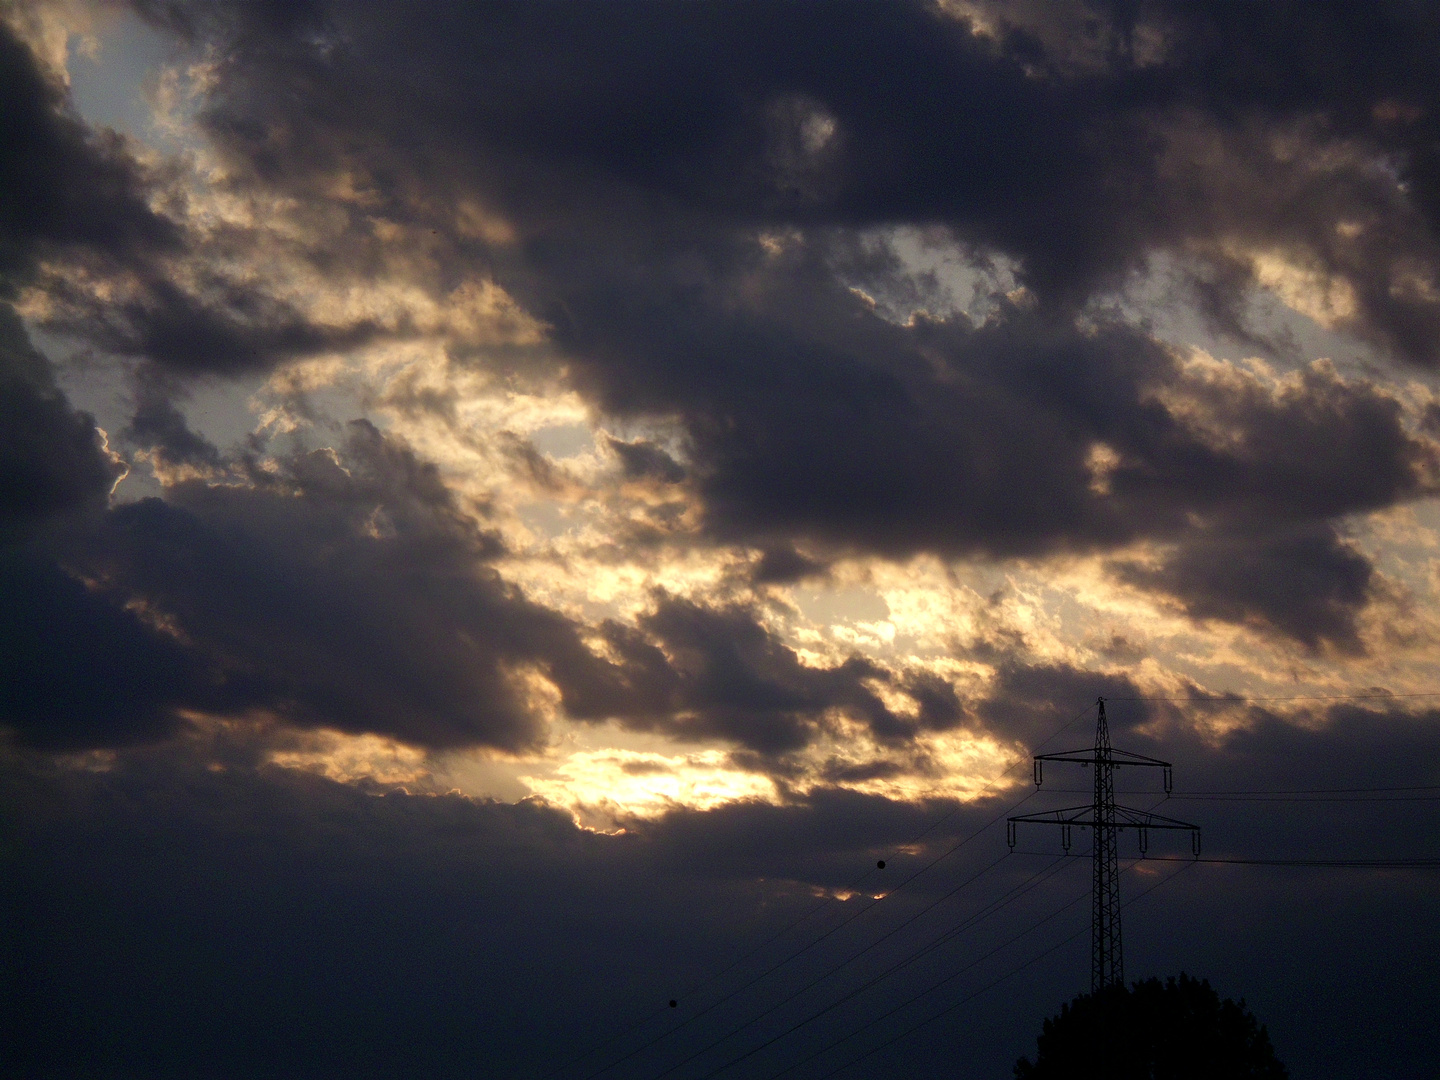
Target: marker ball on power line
{"x":673,"y":1003}
{"x":880,"y":865}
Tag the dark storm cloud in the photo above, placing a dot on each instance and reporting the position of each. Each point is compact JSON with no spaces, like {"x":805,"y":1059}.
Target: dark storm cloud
{"x":78,"y":672}
{"x":342,"y":591}
{"x":642,"y":459}
{"x":784,"y":565}
{"x":638,"y":167}
{"x":247,"y":856}
{"x":221,"y":328}
{"x":159,"y":428}
{"x":1032,"y":702}
{"x":61,"y":184}
{"x":346,"y":590}
{"x":1309,"y":585}
{"x":1314,"y":130}
{"x":51,"y":458}
{"x":1228,"y":137}
{"x":78,"y":197}
{"x":722,"y":675}
{"x":811,"y":417}
{"x":1378,"y":742}
{"x":77,"y":207}
{"x":346,"y":593}
{"x":282,"y":922}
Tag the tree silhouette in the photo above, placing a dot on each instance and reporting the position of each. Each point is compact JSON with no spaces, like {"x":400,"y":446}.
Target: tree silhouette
{"x":1176,"y":1030}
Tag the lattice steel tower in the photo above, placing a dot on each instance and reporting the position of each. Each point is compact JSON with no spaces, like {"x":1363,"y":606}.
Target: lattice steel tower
{"x":1104,"y":819}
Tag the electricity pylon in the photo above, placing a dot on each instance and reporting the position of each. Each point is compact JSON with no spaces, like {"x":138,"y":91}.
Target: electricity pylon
{"x":1104,"y":819}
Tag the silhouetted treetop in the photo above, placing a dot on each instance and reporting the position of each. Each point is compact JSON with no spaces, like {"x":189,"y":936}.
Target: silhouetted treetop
{"x":1176,"y":1030}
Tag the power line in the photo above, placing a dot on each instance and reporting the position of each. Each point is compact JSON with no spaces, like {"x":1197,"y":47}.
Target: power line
{"x":799,"y":952}
{"x":1305,"y":798}
{"x":974,"y":919}
{"x":1236,"y":699}
{"x":1320,"y":791}
{"x":695,"y":1016}
{"x":1298,"y":795}
{"x":697,"y":987}
{"x":1352,"y":864}
{"x":939,"y":983}
{"x":844,"y":963}
{"x":1419,"y":863}
{"x":968,"y":998}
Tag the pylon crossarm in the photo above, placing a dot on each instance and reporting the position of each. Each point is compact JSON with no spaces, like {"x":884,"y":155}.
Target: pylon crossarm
{"x":1070,"y":815}
{"x":1105,"y":758}
{"x":1089,"y":756}
{"x":1144,"y":819}
{"x":1125,"y":817}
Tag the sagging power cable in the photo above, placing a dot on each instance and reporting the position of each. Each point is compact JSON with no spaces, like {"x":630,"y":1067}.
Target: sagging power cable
{"x":823,"y":904}
{"x":969,"y":997}
{"x":1015,"y":893}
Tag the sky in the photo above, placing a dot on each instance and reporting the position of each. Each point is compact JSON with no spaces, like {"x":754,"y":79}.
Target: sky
{"x":509,"y":512}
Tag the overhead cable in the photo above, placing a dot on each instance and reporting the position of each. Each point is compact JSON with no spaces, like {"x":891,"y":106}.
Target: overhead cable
{"x":968,"y":998}
{"x":824,"y":903}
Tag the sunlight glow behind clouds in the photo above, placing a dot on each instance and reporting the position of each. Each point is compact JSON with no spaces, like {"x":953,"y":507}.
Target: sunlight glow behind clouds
{"x":607,"y":786}
{"x":604,"y":788}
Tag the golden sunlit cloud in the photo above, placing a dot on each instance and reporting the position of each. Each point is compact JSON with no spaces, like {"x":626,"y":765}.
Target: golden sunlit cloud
{"x":347,"y":758}
{"x":603,"y":787}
